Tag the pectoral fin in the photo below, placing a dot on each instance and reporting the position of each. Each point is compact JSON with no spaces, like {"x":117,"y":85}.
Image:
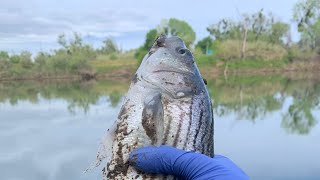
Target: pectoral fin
{"x":152,"y":119}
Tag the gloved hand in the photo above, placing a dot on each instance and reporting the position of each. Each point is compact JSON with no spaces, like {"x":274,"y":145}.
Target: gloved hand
{"x":184,"y":165}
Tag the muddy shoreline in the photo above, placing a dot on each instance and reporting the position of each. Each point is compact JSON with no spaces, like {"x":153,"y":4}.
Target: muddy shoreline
{"x":125,"y":75}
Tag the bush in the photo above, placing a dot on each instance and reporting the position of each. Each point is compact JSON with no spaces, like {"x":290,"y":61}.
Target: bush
{"x":113,"y":56}
{"x":140,"y":53}
{"x":227,"y":50}
{"x":231,"y":49}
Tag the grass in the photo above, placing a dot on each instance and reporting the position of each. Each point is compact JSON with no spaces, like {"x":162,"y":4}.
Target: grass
{"x":231,"y":49}
{"x":108,"y":63}
{"x":256,"y":64}
{"x":205,"y":61}
{"x":252,"y":80}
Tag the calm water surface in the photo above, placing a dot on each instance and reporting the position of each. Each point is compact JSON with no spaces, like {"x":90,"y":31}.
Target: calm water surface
{"x":269,"y":126}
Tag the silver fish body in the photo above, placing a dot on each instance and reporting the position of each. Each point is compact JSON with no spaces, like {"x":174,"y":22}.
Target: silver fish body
{"x":167,"y":103}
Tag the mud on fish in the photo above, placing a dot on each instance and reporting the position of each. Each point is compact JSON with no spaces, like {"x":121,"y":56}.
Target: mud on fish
{"x":167,"y":103}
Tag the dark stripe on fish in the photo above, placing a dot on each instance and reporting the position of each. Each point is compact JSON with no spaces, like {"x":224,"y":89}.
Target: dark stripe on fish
{"x":204,"y":134}
{"x":198,"y":130}
{"x":207,"y":125}
{"x":204,"y":137}
{"x":190,"y":122}
{"x":120,"y":167}
{"x":211,"y":140}
{"x":166,"y":134}
{"x":211,"y":130}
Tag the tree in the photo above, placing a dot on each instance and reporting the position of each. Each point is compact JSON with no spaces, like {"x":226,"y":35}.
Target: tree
{"x":278,"y":31}
{"x":25,"y":59}
{"x":244,"y":32}
{"x":4,"y":63}
{"x":316,"y":28}
{"x":75,"y":44}
{"x":109,"y":46}
{"x":77,"y":40}
{"x":254,"y":27}
{"x":4,"y":56}
{"x":250,"y":27}
{"x":205,"y":44}
{"x":176,"y":27}
{"x":260,"y":24}
{"x":143,"y":50}
{"x":171,"y":27}
{"x":62,"y":40}
{"x":150,"y":37}
{"x":225,"y":29}
{"x":15,"y":59}
{"x":231,"y":30}
{"x":73,"y":57}
{"x":41,"y":60}
{"x":306,"y":14}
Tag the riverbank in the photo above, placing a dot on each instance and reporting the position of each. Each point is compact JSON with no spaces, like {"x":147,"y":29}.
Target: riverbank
{"x":209,"y":67}
{"x":122,"y":68}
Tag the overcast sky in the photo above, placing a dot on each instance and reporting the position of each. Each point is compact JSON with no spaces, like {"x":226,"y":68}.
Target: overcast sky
{"x":35,"y":24}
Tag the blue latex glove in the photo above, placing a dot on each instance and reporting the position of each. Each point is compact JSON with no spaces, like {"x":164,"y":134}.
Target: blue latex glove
{"x":184,"y":165}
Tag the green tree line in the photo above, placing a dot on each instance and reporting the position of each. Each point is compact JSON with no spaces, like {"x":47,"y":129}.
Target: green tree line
{"x":256,"y":36}
{"x":72,"y":58}
{"x":259,"y":37}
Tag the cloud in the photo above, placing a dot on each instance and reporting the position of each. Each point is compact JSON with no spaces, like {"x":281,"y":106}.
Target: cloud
{"x":35,"y":24}
{"x":21,"y":27}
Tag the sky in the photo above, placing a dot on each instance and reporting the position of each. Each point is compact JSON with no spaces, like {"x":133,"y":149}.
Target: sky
{"x":34,"y":25}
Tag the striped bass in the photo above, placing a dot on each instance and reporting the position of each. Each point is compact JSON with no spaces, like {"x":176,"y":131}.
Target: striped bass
{"x":167,"y":103}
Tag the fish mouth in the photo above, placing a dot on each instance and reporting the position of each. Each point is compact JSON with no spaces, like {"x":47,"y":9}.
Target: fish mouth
{"x":186,"y":72}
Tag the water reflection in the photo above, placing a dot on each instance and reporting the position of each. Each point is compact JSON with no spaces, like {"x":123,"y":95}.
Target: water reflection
{"x":252,"y":98}
{"x":78,"y":94}
{"x":249,"y":97}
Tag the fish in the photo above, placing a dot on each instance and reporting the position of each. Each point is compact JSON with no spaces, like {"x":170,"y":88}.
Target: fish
{"x":167,"y":104}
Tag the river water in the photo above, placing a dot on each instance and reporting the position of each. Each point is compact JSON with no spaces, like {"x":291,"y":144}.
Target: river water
{"x":268,"y":125}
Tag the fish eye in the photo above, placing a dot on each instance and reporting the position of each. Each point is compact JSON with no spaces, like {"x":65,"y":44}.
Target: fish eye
{"x":182,"y":51}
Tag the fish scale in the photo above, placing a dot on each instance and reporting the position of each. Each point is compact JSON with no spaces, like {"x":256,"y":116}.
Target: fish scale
{"x":167,"y":103}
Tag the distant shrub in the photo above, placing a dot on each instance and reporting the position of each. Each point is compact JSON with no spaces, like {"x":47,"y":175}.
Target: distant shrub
{"x":113,"y":56}
{"x":227,"y":50}
{"x":140,"y":53}
{"x":231,"y":49}
{"x":295,"y":53}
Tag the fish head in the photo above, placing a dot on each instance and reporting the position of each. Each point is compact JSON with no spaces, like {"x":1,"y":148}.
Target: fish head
{"x":170,"y":66}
